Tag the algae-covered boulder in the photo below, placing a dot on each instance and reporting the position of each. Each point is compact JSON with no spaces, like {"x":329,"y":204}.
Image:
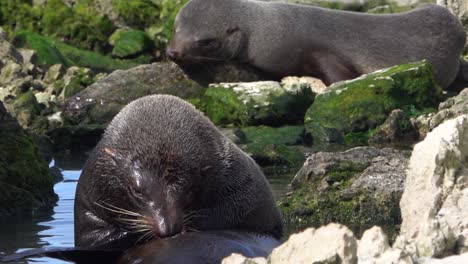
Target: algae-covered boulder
{"x":256,"y":103}
{"x":50,"y":52}
{"x":360,"y":187}
{"x":359,"y":105}
{"x":25,"y":181}
{"x":130,"y":43}
{"x":274,"y":145}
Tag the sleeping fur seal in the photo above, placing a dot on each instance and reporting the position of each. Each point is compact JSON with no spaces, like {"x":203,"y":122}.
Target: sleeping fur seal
{"x":162,"y":169}
{"x":289,"y":39}
{"x":192,"y":247}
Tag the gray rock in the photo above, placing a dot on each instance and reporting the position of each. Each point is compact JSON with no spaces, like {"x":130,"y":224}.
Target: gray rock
{"x":395,"y":129}
{"x":385,"y":168}
{"x":99,"y":102}
{"x":451,"y":108}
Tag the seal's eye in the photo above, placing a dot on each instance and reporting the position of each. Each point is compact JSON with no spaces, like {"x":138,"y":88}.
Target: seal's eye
{"x":207,"y":43}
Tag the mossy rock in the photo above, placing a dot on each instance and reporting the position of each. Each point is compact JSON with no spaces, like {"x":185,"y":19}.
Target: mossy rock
{"x":50,"y":52}
{"x":131,"y":43}
{"x":257,"y":103}
{"x":311,"y":206}
{"x":360,"y":105}
{"x":274,"y":145}
{"x":25,"y":181}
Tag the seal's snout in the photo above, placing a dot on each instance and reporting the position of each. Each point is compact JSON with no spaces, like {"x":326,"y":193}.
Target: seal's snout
{"x":172,"y":54}
{"x":167,"y":222}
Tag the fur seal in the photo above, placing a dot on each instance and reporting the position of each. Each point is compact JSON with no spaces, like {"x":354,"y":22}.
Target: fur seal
{"x":290,"y":39}
{"x":161,"y":169}
{"x":200,"y":248}
{"x":195,"y":247}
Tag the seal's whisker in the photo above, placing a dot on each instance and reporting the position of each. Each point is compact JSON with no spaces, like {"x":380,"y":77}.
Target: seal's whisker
{"x":148,"y":236}
{"x":124,"y":211}
{"x":141,"y":230}
{"x":128,"y":220}
{"x":118,"y":210}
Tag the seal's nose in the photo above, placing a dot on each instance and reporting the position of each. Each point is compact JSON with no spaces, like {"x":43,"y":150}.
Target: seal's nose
{"x":172,"y":54}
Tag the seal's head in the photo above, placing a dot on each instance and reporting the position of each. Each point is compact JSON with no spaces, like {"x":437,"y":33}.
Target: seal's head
{"x":153,"y":198}
{"x":200,"y":37}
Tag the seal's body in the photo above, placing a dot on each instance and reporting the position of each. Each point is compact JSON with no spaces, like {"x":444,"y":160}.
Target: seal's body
{"x":161,"y":169}
{"x":290,"y":39}
{"x":200,"y":248}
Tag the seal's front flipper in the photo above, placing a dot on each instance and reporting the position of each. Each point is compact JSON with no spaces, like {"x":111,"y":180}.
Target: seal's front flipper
{"x":73,"y":255}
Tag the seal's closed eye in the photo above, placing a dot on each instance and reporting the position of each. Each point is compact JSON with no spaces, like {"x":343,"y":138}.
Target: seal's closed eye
{"x":207,"y":43}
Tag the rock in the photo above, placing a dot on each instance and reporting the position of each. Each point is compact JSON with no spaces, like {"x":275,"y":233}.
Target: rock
{"x":329,"y":244}
{"x":255,"y":103}
{"x":10,"y":72}
{"x":451,"y":108}
{"x":373,"y":244}
{"x":25,"y":182}
{"x":101,"y":101}
{"x":76,"y":139}
{"x":29,"y":61}
{"x":75,"y":80}
{"x":316,"y":85}
{"x":374,"y":249}
{"x":54,"y":73}
{"x":239,"y":259}
{"x":434,"y":202}
{"x":55,"y":120}
{"x":360,"y":187}
{"x":8,"y":53}
{"x":359,"y":105}
{"x":273,"y":146}
{"x":396,"y":128}
{"x":128,"y":43}
{"x":25,"y":108}
{"x":458,"y":7}
{"x":56,"y":173}
{"x":460,"y":259}
{"x":43,"y":98}
{"x":229,"y":72}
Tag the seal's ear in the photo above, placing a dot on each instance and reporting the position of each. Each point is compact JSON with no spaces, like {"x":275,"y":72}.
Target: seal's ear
{"x":231,"y":30}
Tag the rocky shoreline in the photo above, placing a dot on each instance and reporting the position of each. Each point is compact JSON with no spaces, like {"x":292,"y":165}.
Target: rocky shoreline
{"x":367,"y":191}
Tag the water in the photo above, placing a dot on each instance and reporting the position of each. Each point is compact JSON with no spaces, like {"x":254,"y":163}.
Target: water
{"x":55,"y":227}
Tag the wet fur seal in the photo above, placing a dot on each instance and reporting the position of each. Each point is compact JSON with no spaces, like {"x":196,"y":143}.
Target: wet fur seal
{"x":290,"y":39}
{"x":200,"y":248}
{"x":194,"y":247}
{"x":161,"y":169}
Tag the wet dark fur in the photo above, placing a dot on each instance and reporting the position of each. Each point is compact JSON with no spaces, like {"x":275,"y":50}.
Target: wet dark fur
{"x":288,"y":39}
{"x":194,"y":248}
{"x":162,"y":168}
